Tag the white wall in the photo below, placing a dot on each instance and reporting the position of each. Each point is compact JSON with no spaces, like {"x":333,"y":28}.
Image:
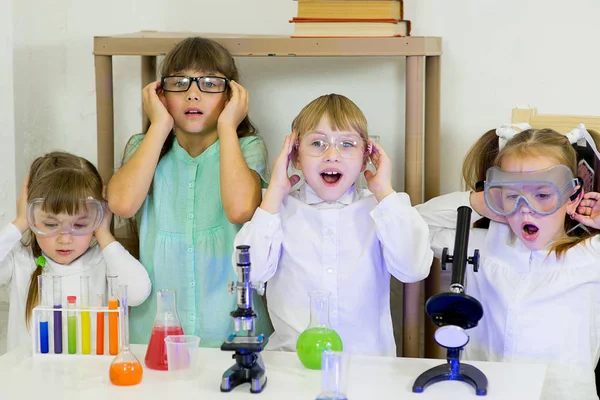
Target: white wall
{"x":8,"y":182}
{"x":496,"y":55}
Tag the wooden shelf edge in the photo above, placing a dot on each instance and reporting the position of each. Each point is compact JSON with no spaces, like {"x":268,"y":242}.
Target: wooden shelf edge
{"x":275,"y":46}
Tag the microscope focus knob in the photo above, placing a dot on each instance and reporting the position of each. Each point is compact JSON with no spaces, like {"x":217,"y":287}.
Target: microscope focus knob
{"x":446,"y":258}
{"x":260,"y":288}
{"x":231,"y":287}
{"x":474,"y":260}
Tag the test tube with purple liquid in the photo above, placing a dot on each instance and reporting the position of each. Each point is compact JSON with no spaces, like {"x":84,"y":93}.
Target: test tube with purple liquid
{"x":58,"y":337}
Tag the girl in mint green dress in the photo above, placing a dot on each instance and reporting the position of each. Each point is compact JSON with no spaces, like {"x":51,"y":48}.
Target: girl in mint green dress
{"x":190,"y":181}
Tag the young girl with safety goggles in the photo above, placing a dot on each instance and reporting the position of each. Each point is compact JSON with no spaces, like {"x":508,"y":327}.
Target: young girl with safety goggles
{"x":539,"y":276}
{"x":62,"y":229}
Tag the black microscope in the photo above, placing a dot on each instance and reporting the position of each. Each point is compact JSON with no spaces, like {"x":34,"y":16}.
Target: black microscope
{"x":455,"y":312}
{"x":249,"y":366}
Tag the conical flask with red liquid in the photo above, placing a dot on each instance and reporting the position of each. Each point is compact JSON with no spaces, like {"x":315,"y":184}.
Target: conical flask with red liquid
{"x":166,"y":324}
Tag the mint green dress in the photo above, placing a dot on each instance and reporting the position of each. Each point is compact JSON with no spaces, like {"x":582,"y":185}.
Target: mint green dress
{"x":186,"y":242}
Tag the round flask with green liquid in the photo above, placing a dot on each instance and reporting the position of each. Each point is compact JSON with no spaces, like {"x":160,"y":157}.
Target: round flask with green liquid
{"x":319,"y":335}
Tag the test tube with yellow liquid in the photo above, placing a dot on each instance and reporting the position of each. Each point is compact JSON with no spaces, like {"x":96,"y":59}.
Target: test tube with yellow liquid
{"x":84,"y":287}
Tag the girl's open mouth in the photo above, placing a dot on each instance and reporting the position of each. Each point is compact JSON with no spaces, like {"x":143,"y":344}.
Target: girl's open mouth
{"x":193,"y":112}
{"x":331,"y":178}
{"x":530,"y":231}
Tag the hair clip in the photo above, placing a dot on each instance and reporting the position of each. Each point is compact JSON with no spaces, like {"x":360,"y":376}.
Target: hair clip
{"x":370,"y":148}
{"x":508,"y":131}
{"x":41,"y":262}
{"x":581,"y":133}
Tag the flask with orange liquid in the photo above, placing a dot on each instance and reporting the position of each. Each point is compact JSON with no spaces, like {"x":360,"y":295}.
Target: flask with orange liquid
{"x":125,"y":369}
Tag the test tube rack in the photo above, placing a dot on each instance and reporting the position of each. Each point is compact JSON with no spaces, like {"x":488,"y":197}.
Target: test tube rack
{"x":38,"y":316}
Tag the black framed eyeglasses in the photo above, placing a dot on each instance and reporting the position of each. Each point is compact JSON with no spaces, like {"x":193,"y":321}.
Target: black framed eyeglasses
{"x":207,"y":84}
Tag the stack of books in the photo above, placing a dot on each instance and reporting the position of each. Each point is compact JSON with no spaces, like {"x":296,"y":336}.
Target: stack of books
{"x":350,"y":18}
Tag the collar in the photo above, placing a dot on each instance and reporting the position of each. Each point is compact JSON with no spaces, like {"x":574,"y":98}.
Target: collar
{"x":311,"y":196}
{"x":181,"y":154}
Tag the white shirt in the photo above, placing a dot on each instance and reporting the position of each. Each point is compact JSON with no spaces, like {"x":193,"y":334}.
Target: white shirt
{"x":17,"y":265}
{"x":537,"y":308}
{"x":348,"y":248}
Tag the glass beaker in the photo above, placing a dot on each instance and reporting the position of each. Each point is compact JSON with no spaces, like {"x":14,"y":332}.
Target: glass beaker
{"x":335,"y":375}
{"x":166,"y":324}
{"x":125,"y":370}
{"x":319,"y":335}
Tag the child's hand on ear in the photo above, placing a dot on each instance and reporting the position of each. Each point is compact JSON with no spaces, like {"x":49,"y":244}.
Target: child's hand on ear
{"x":236,"y":108}
{"x":102,"y":232}
{"x":380,"y":182}
{"x":279,"y":176}
{"x":588,"y":210}
{"x":280,"y":184}
{"x":21,"y":221}
{"x":155,"y":107}
{"x":477,"y":203}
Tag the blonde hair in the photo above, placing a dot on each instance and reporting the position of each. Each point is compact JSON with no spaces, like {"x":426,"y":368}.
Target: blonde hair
{"x":485,"y":153}
{"x":63,"y":181}
{"x":343,"y":115}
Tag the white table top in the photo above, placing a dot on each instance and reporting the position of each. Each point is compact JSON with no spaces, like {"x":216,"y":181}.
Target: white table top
{"x":86,"y":377}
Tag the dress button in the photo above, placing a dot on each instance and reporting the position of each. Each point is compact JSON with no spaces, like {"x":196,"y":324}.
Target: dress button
{"x":329,"y":270}
{"x":191,"y":185}
{"x":190,"y":216}
{"x":192,"y":317}
{"x":192,"y":283}
{"x":190,"y":249}
{"x":329,"y":232}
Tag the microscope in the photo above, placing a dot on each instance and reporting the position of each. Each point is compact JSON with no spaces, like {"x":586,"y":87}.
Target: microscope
{"x":455,"y":312}
{"x":249,"y":366}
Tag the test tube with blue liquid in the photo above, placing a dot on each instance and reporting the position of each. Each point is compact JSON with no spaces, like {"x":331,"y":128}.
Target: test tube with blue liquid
{"x":58,"y":331}
{"x":43,"y":330}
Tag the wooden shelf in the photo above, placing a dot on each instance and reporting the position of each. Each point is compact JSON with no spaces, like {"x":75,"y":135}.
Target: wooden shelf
{"x":422,"y":110}
{"x":151,"y":43}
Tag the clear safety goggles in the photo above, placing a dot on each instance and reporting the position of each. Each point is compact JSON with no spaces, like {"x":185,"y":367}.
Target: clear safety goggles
{"x":45,"y":223}
{"x":317,"y":144}
{"x":543,"y":192}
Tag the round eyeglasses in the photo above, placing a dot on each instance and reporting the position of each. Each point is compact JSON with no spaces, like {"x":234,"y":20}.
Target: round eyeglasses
{"x":206,"y":84}
{"x":317,"y":144}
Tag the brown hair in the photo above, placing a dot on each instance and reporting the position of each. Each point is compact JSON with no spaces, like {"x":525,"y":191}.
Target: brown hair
{"x":63,"y":180}
{"x":343,"y":115}
{"x":201,"y":54}
{"x":485,"y":153}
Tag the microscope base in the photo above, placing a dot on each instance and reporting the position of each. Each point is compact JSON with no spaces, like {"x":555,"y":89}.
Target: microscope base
{"x":449,"y":372}
{"x":249,"y":368}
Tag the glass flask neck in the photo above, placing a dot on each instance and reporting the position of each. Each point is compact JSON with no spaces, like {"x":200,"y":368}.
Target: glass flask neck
{"x":166,"y":308}
{"x":319,"y":309}
{"x":125,"y":322}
